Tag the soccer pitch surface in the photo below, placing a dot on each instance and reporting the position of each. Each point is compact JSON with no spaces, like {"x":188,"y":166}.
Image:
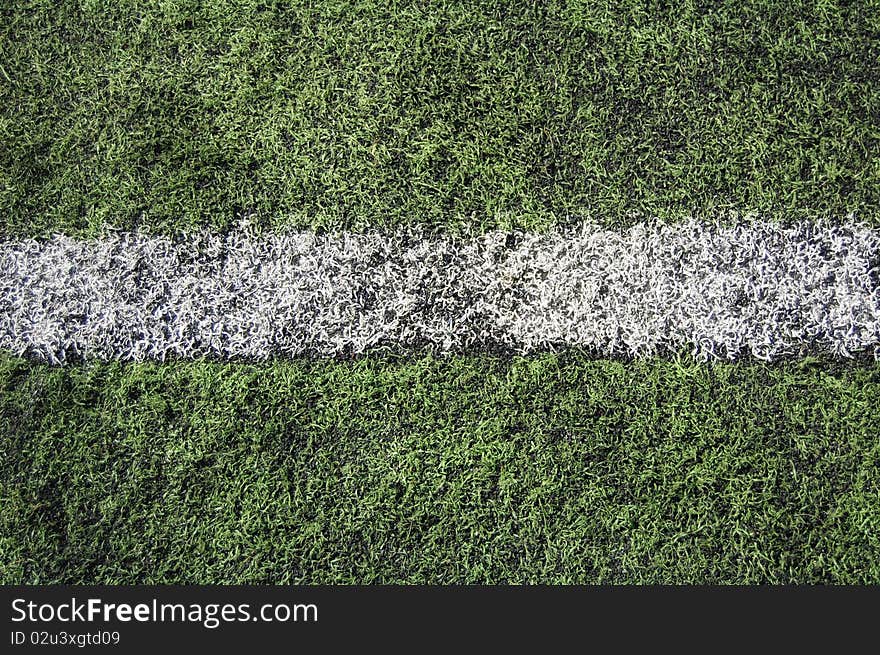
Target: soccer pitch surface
{"x":409,"y":292}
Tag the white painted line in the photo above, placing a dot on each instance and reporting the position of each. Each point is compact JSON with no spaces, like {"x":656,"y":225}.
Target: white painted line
{"x":755,"y":288}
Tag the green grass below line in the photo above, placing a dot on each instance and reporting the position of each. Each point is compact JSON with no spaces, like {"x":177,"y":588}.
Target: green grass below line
{"x":456,"y":115}
{"x":554,"y":468}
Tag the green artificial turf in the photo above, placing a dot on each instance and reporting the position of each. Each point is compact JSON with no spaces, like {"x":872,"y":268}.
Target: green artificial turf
{"x":454,"y":115}
{"x":457,"y":116}
{"x":554,"y":468}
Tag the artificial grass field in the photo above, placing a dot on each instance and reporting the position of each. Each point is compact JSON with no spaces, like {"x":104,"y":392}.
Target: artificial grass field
{"x":177,"y":115}
{"x":454,"y":115}
{"x":555,"y":468}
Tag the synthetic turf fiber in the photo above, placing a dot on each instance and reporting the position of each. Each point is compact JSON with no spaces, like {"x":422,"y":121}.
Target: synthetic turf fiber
{"x":544,"y":469}
{"x":456,"y":115}
{"x":749,"y":289}
{"x":385,"y":203}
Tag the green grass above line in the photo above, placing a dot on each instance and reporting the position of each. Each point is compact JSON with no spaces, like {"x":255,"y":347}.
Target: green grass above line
{"x":476,"y":115}
{"x":554,"y":468}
